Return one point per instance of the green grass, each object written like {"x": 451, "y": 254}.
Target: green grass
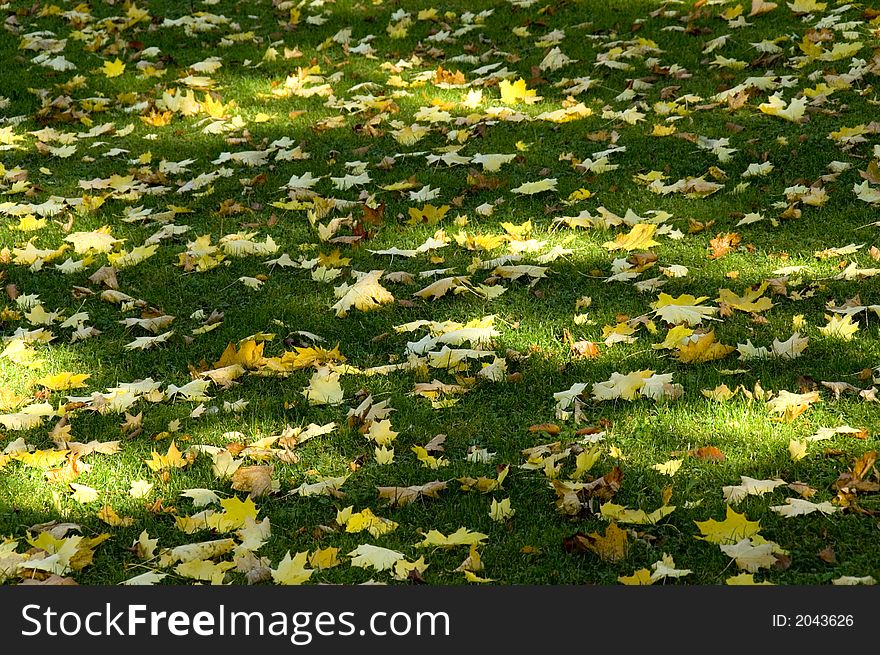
{"x": 528, "y": 548}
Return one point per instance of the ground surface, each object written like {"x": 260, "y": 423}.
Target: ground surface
{"x": 551, "y": 170}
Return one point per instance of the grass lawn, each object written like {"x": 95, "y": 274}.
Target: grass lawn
{"x": 623, "y": 254}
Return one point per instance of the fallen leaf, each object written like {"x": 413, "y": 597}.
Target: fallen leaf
{"x": 610, "y": 547}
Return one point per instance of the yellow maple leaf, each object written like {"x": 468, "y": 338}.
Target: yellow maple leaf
{"x": 249, "y": 355}
{"x": 72, "y": 467}
{"x": 797, "y": 449}
{"x": 365, "y": 520}
{"x": 39, "y": 316}
{"x": 333, "y": 259}
{"x": 427, "y": 215}
{"x": 214, "y": 107}
{"x": 665, "y": 568}
{"x": 365, "y": 294}
{"x": 669, "y": 468}
{"x": 324, "y": 388}
{"x": 531, "y": 188}
{"x": 791, "y": 405}
{"x": 734, "y": 528}
{"x": 620, "y": 333}
{"x": 325, "y": 487}
{"x": 41, "y": 458}
{"x": 473, "y": 562}
{"x": 67, "y": 554}
{"x": 157, "y": 118}
{"x": 839, "y": 327}
{"x": 312, "y": 356}
{"x": 622, "y": 386}
{"x": 478, "y": 241}
{"x": 663, "y": 130}
{"x": 140, "y": 489}
{"x": 63, "y": 380}
{"x": 381, "y": 559}
{"x": 806, "y": 6}
{"x": 111, "y": 518}
{"x": 9, "y": 399}
{"x": 200, "y": 550}
{"x": 683, "y": 309}
{"x": 703, "y": 349}
{"x": 97, "y": 241}
{"x": 30, "y": 223}
{"x": 381, "y": 432}
{"x": 751, "y": 555}
{"x": 172, "y": 459}
{"x": 429, "y": 460}
{"x": 292, "y": 570}
{"x": 205, "y": 570}
{"x": 621, "y": 514}
{"x": 674, "y": 338}
{"x": 749, "y": 487}
{"x": 441, "y": 287}
{"x": 721, "y": 393}
{"x": 461, "y": 537}
{"x": 792, "y": 111}
{"x": 224, "y": 377}
{"x": 235, "y": 515}
{"x": 745, "y": 579}
{"x": 403, "y": 569}
{"x": 638, "y": 238}
{"x": 126, "y": 259}
{"x": 407, "y": 136}
{"x": 144, "y": 547}
{"x": 514, "y": 92}
{"x": 83, "y": 494}
{"x": 751, "y": 301}
{"x": 384, "y": 455}
{"x": 502, "y": 511}
{"x": 19, "y": 351}
{"x": 610, "y": 547}
{"x": 325, "y": 558}
{"x": 113, "y": 68}
{"x": 584, "y": 461}
{"x": 638, "y": 578}
{"x": 579, "y": 194}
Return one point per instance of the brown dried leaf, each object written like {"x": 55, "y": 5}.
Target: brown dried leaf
{"x": 256, "y": 480}
{"x": 400, "y": 496}
{"x": 828, "y": 555}
{"x": 804, "y": 490}
{"x": 436, "y": 444}
{"x": 105, "y": 275}
{"x": 48, "y": 580}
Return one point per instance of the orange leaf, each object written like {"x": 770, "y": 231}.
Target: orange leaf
{"x": 586, "y": 349}
{"x": 708, "y": 453}
{"x": 723, "y": 244}
{"x": 550, "y": 428}
{"x": 69, "y": 471}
